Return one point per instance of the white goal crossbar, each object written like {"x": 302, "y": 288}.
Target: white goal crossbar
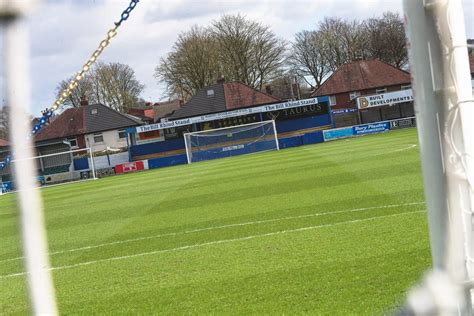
{"x": 65, "y": 161}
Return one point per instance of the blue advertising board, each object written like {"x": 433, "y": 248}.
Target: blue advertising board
{"x": 332, "y": 134}
{"x": 343, "y": 111}
{"x": 371, "y": 128}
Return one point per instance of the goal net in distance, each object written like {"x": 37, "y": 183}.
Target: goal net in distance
{"x": 231, "y": 141}
{"x": 55, "y": 168}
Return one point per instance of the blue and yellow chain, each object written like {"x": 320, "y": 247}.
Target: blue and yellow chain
{"x": 48, "y": 113}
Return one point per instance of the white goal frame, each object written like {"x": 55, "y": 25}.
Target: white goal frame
{"x": 186, "y": 136}
{"x": 87, "y": 151}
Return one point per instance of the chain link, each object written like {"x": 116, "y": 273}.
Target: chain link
{"x": 48, "y": 113}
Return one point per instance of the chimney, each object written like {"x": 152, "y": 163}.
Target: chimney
{"x": 221, "y": 80}
{"x": 84, "y": 101}
{"x": 268, "y": 89}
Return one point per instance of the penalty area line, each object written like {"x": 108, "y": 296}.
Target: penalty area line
{"x": 118, "y": 242}
{"x": 216, "y": 242}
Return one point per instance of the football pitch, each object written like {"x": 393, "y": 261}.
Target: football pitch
{"x": 333, "y": 228}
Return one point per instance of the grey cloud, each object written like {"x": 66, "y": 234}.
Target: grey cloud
{"x": 64, "y": 33}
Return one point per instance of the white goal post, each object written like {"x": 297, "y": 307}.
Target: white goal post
{"x": 231, "y": 141}
{"x": 55, "y": 168}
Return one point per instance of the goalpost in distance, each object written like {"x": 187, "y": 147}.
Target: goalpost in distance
{"x": 231, "y": 141}
{"x": 55, "y": 168}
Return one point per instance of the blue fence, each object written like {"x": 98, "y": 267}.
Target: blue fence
{"x": 288, "y": 142}
{"x": 338, "y": 133}
{"x": 302, "y": 123}
{"x": 81, "y": 164}
{"x": 233, "y": 150}
{"x": 157, "y": 147}
{"x": 367, "y": 129}
{"x": 167, "y": 161}
{"x": 370, "y": 128}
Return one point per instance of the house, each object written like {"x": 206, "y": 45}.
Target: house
{"x": 362, "y": 78}
{"x": 226, "y": 104}
{"x": 150, "y": 113}
{"x": 144, "y": 115}
{"x": 217, "y": 98}
{"x": 89, "y": 126}
{"x": 222, "y": 96}
{"x": 163, "y": 110}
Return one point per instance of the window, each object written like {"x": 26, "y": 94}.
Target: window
{"x": 122, "y": 134}
{"x": 73, "y": 142}
{"x": 98, "y": 138}
{"x": 406, "y": 87}
{"x": 381, "y": 90}
{"x": 332, "y": 100}
{"x": 354, "y": 95}
{"x": 210, "y": 93}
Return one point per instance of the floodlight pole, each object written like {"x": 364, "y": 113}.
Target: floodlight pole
{"x": 34, "y": 240}
{"x": 443, "y": 107}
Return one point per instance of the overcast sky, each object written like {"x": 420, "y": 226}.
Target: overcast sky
{"x": 65, "y": 32}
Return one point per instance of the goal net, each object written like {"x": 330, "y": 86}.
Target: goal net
{"x": 231, "y": 141}
{"x": 55, "y": 168}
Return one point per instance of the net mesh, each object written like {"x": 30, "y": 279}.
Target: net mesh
{"x": 231, "y": 141}
{"x": 54, "y": 168}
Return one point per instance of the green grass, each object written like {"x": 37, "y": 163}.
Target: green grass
{"x": 302, "y": 230}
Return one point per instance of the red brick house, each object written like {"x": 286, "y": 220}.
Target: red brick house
{"x": 359, "y": 78}
{"x": 96, "y": 126}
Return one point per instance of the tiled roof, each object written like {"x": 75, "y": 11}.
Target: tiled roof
{"x": 164, "y": 109}
{"x": 222, "y": 97}
{"x": 4, "y": 143}
{"x": 362, "y": 75}
{"x": 85, "y": 120}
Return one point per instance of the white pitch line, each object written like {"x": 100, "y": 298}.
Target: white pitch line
{"x": 220, "y": 227}
{"x": 212, "y": 243}
{"x": 403, "y": 149}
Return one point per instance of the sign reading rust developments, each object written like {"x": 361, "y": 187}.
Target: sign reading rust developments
{"x": 229, "y": 114}
{"x": 382, "y": 99}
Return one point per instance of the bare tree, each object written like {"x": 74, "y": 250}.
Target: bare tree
{"x": 193, "y": 63}
{"x": 116, "y": 86}
{"x": 84, "y": 88}
{"x": 307, "y": 58}
{"x": 113, "y": 85}
{"x": 343, "y": 41}
{"x": 249, "y": 51}
{"x": 386, "y": 39}
{"x": 233, "y": 47}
